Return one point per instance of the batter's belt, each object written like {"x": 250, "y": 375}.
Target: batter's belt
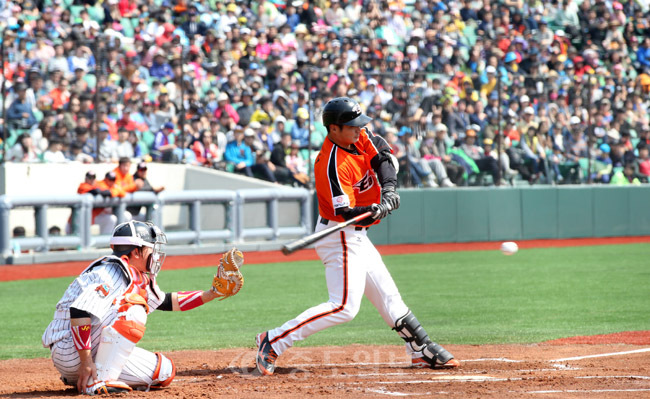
{"x": 356, "y": 228}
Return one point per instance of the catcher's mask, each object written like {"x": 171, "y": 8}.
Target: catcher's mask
{"x": 135, "y": 234}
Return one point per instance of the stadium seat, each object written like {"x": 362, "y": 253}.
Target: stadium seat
{"x": 127, "y": 27}
{"x": 148, "y": 138}
{"x": 96, "y": 14}
{"x": 91, "y": 79}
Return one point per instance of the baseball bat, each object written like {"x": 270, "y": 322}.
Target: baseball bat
{"x": 301, "y": 243}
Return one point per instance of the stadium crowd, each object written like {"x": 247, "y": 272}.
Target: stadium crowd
{"x": 552, "y": 91}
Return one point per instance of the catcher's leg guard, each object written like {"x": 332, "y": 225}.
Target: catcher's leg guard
{"x": 165, "y": 372}
{"x": 117, "y": 343}
{"x": 433, "y": 355}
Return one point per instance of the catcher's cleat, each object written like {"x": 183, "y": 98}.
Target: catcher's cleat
{"x": 422, "y": 363}
{"x": 266, "y": 356}
{"x": 107, "y": 388}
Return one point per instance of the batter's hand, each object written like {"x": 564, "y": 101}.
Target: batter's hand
{"x": 380, "y": 211}
{"x": 390, "y": 197}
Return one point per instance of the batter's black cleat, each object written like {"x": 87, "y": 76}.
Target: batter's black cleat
{"x": 419, "y": 362}
{"x": 266, "y": 356}
{"x": 436, "y": 357}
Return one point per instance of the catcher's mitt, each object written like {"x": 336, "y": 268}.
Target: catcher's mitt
{"x": 228, "y": 280}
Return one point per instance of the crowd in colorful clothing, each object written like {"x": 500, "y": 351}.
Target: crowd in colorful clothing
{"x": 464, "y": 91}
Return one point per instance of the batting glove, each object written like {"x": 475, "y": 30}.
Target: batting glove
{"x": 380, "y": 211}
{"x": 390, "y": 197}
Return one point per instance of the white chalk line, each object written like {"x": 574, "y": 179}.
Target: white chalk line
{"x": 636, "y": 377}
{"x": 394, "y": 393}
{"x": 590, "y": 391}
{"x": 567, "y": 359}
{"x": 400, "y": 364}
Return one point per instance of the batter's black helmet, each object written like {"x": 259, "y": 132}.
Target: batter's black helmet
{"x": 344, "y": 111}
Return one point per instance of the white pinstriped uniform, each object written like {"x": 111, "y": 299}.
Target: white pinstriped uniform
{"x": 112, "y": 275}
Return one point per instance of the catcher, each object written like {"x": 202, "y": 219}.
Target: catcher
{"x": 103, "y": 313}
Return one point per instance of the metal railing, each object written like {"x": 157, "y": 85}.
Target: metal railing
{"x": 235, "y": 229}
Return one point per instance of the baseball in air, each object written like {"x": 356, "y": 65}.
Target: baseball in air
{"x": 509, "y": 248}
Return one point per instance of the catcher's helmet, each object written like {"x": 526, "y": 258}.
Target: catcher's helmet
{"x": 135, "y": 234}
{"x": 344, "y": 111}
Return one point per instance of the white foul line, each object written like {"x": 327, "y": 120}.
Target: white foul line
{"x": 634, "y": 377}
{"x": 601, "y": 355}
{"x": 591, "y": 390}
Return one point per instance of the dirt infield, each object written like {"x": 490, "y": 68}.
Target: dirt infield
{"x": 487, "y": 371}
{"x": 603, "y": 366}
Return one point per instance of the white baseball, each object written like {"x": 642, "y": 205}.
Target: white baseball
{"x": 509, "y": 248}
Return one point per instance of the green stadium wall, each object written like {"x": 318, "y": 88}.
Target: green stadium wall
{"x": 498, "y": 214}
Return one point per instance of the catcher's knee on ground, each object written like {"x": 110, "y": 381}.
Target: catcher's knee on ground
{"x": 164, "y": 373}
{"x": 411, "y": 331}
{"x": 119, "y": 339}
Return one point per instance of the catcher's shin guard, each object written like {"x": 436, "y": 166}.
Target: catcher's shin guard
{"x": 117, "y": 343}
{"x": 164, "y": 373}
{"x": 432, "y": 354}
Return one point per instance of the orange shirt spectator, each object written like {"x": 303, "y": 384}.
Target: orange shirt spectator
{"x": 60, "y": 95}
{"x": 123, "y": 177}
{"x": 90, "y": 186}
{"x": 109, "y": 183}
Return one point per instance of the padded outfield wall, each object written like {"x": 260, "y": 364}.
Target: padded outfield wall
{"x": 516, "y": 213}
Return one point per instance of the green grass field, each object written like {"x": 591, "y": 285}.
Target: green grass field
{"x": 473, "y": 297}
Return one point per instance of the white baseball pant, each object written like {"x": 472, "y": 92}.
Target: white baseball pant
{"x": 353, "y": 267}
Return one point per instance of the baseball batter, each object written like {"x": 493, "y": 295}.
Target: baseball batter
{"x": 103, "y": 313}
{"x": 355, "y": 172}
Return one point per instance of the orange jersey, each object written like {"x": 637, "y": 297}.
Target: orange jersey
{"x": 116, "y": 191}
{"x": 344, "y": 179}
{"x": 86, "y": 188}
{"x": 125, "y": 181}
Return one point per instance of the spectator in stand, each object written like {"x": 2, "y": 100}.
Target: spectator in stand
{"x": 643, "y": 163}
{"x": 296, "y": 164}
{"x": 110, "y": 183}
{"x": 409, "y": 160}
{"x": 102, "y": 216}
{"x": 160, "y": 68}
{"x": 279, "y": 160}
{"x": 88, "y": 145}
{"x": 240, "y": 155}
{"x": 223, "y": 106}
{"x": 76, "y": 153}
{"x": 143, "y": 184}
{"x": 23, "y": 151}
{"x": 124, "y": 148}
{"x": 185, "y": 153}
{"x": 20, "y": 114}
{"x": 206, "y": 150}
{"x": 54, "y": 152}
{"x": 163, "y": 147}
{"x": 123, "y": 177}
{"x": 107, "y": 147}
{"x": 484, "y": 163}
{"x": 299, "y": 130}
{"x": 435, "y": 148}
{"x": 246, "y": 109}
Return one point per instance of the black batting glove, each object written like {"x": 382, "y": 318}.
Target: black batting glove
{"x": 380, "y": 211}
{"x": 390, "y": 197}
